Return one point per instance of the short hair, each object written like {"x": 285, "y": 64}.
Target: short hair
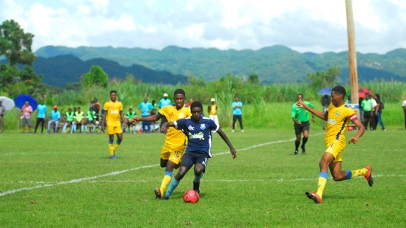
{"x": 113, "y": 91}
{"x": 179, "y": 91}
{"x": 340, "y": 90}
{"x": 196, "y": 104}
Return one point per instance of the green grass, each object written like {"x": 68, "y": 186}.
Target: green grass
{"x": 68, "y": 181}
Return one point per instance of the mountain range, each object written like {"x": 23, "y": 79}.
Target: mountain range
{"x": 171, "y": 65}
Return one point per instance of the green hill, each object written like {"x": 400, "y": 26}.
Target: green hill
{"x": 272, "y": 64}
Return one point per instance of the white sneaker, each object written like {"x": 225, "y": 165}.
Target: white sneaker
{"x": 232, "y": 130}
{"x": 242, "y": 130}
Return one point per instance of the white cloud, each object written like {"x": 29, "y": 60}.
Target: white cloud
{"x": 316, "y": 25}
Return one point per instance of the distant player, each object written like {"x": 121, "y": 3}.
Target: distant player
{"x": 301, "y": 124}
{"x": 198, "y": 129}
{"x": 112, "y": 111}
{"x": 175, "y": 141}
{"x": 338, "y": 117}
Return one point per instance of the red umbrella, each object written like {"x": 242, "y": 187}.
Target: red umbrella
{"x": 363, "y": 92}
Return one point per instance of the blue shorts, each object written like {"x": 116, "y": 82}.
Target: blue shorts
{"x": 192, "y": 158}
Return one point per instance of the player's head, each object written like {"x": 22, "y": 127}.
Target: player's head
{"x": 337, "y": 95}
{"x": 300, "y": 97}
{"x": 179, "y": 97}
{"x": 113, "y": 95}
{"x": 196, "y": 108}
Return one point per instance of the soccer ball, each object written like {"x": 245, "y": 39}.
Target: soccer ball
{"x": 191, "y": 196}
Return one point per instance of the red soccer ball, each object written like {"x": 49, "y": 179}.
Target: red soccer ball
{"x": 191, "y": 196}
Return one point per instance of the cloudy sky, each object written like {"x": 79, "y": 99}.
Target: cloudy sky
{"x": 312, "y": 25}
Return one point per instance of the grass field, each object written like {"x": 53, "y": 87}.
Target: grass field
{"x": 68, "y": 181}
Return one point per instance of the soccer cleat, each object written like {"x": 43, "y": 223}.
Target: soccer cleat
{"x": 196, "y": 187}
{"x": 113, "y": 157}
{"x": 295, "y": 153}
{"x": 303, "y": 150}
{"x": 313, "y": 196}
{"x": 158, "y": 193}
{"x": 165, "y": 198}
{"x": 369, "y": 177}
{"x": 232, "y": 130}
{"x": 242, "y": 130}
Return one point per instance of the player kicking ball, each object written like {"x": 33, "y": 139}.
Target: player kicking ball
{"x": 338, "y": 117}
{"x": 198, "y": 129}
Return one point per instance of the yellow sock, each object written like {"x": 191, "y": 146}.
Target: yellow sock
{"x": 111, "y": 149}
{"x": 322, "y": 183}
{"x": 165, "y": 182}
{"x": 115, "y": 146}
{"x": 359, "y": 172}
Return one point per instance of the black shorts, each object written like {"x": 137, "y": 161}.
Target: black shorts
{"x": 300, "y": 128}
{"x": 191, "y": 158}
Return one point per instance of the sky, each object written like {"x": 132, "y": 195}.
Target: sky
{"x": 306, "y": 26}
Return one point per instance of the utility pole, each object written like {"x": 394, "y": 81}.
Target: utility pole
{"x": 352, "y": 54}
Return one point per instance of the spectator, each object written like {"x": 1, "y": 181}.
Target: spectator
{"x": 2, "y": 113}
{"x": 374, "y": 118}
{"x": 69, "y": 118}
{"x": 366, "y": 105}
{"x": 237, "y": 113}
{"x": 96, "y": 108}
{"x": 378, "y": 110}
{"x": 26, "y": 117}
{"x": 212, "y": 110}
{"x": 190, "y": 103}
{"x": 55, "y": 116}
{"x": 41, "y": 114}
{"x": 325, "y": 102}
{"x": 90, "y": 120}
{"x": 164, "y": 101}
{"x": 79, "y": 120}
{"x": 145, "y": 108}
{"x": 128, "y": 117}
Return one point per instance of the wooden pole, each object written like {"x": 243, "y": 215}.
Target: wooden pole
{"x": 352, "y": 54}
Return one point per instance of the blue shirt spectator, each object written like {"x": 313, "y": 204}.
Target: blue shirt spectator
{"x": 42, "y": 110}
{"x": 55, "y": 114}
{"x": 145, "y": 107}
{"x": 237, "y": 111}
{"x": 164, "y": 101}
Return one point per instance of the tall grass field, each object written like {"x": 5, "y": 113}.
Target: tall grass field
{"x": 67, "y": 180}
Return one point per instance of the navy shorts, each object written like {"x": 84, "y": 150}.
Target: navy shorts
{"x": 192, "y": 158}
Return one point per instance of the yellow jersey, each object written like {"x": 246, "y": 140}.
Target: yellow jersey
{"x": 174, "y": 136}
{"x": 112, "y": 111}
{"x": 337, "y": 123}
{"x": 213, "y": 109}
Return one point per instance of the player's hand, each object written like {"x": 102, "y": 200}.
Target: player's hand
{"x": 164, "y": 128}
{"x": 233, "y": 153}
{"x": 353, "y": 140}
{"x": 313, "y": 119}
{"x": 301, "y": 104}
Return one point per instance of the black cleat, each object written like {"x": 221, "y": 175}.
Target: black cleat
{"x": 369, "y": 177}
{"x": 158, "y": 193}
{"x": 165, "y": 198}
{"x": 196, "y": 187}
{"x": 313, "y": 196}
{"x": 295, "y": 153}
{"x": 303, "y": 150}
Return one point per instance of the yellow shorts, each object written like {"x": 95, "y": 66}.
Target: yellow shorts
{"x": 335, "y": 148}
{"x": 173, "y": 153}
{"x": 111, "y": 130}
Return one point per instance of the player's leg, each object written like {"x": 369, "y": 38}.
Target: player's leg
{"x": 110, "y": 132}
{"x": 298, "y": 133}
{"x": 171, "y": 158}
{"x": 119, "y": 133}
{"x": 306, "y": 129}
{"x": 200, "y": 167}
{"x": 186, "y": 164}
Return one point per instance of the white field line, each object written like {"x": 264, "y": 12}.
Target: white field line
{"x": 123, "y": 171}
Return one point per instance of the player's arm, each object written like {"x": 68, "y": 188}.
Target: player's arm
{"x": 103, "y": 123}
{"x": 321, "y": 115}
{"x": 166, "y": 125}
{"x": 225, "y": 138}
{"x": 147, "y": 118}
{"x": 360, "y": 132}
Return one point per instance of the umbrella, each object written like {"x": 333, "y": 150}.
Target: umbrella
{"x": 7, "y": 103}
{"x": 363, "y": 92}
{"x": 325, "y": 91}
{"x": 21, "y": 99}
